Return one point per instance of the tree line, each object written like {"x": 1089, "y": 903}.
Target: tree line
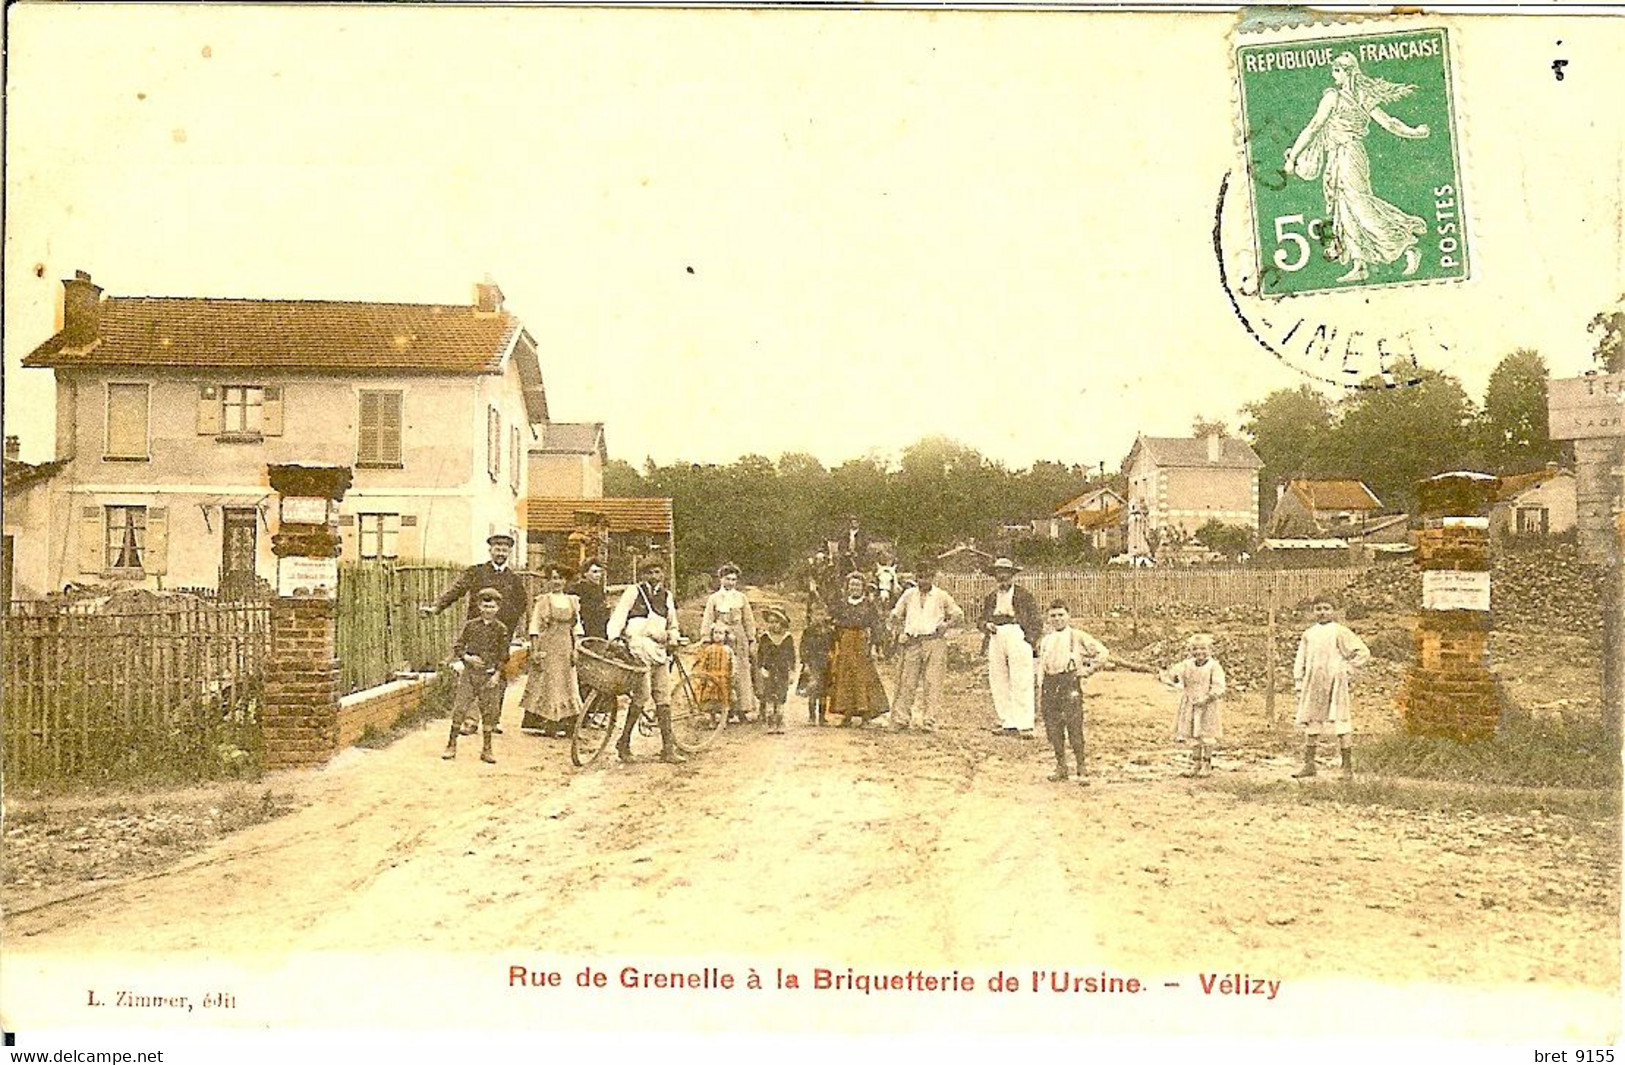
{"x": 767, "y": 515}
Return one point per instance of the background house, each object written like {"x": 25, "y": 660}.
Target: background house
{"x": 1094, "y": 501}
{"x": 1306, "y": 507}
{"x": 23, "y": 575}
{"x": 568, "y": 459}
{"x": 1176, "y": 485}
{"x": 1542, "y": 503}
{"x": 170, "y": 409}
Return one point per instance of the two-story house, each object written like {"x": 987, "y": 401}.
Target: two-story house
{"x": 1176, "y": 485}
{"x": 169, "y": 410}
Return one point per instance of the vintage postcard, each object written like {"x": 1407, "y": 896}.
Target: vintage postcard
{"x": 1092, "y": 526}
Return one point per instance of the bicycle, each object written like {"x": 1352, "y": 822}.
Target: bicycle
{"x": 607, "y": 677}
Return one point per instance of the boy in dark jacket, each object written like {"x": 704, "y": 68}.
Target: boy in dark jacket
{"x": 477, "y": 658}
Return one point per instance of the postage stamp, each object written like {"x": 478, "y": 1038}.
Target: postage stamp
{"x": 1352, "y": 162}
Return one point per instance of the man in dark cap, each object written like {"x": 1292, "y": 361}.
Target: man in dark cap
{"x": 497, "y": 575}
{"x": 493, "y": 574}
{"x": 589, "y": 588}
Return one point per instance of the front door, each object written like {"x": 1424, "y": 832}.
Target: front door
{"x": 237, "y": 547}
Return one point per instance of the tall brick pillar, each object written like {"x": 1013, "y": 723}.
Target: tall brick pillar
{"x": 302, "y": 687}
{"x": 1450, "y": 691}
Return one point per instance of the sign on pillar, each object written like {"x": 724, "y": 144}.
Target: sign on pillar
{"x": 302, "y": 683}
{"x": 1450, "y": 691}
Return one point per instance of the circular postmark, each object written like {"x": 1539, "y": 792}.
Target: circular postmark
{"x": 1335, "y": 340}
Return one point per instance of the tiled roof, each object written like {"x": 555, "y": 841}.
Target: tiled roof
{"x": 572, "y": 438}
{"x": 555, "y": 514}
{"x": 1517, "y": 483}
{"x": 1100, "y": 519}
{"x": 1086, "y": 501}
{"x": 1334, "y": 495}
{"x": 1192, "y": 452}
{"x": 20, "y": 475}
{"x": 317, "y": 335}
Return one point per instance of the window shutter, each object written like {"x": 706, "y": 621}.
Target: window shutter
{"x": 410, "y": 544}
{"x": 271, "y": 411}
{"x": 126, "y": 421}
{"x": 155, "y": 560}
{"x": 367, "y": 432}
{"x": 208, "y": 410}
{"x": 92, "y": 540}
{"x": 389, "y": 423}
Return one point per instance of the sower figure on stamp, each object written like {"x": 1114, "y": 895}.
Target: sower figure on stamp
{"x": 477, "y": 658}
{"x": 922, "y": 616}
{"x": 1012, "y": 625}
{"x": 1200, "y": 680}
{"x": 1367, "y": 228}
{"x": 1066, "y": 658}
{"x": 1329, "y": 654}
{"x": 495, "y": 574}
{"x": 645, "y": 617}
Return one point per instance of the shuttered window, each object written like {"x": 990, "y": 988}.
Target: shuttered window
{"x": 243, "y": 409}
{"x": 126, "y": 537}
{"x": 379, "y": 436}
{"x": 127, "y": 421}
{"x": 514, "y": 459}
{"x": 493, "y": 443}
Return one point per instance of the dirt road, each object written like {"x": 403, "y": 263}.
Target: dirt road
{"x": 868, "y": 847}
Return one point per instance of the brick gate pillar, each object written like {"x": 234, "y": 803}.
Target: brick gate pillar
{"x": 1450, "y": 691}
{"x": 302, "y": 688}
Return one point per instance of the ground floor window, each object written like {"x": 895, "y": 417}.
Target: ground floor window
{"x": 1534, "y": 520}
{"x": 380, "y": 535}
{"x": 126, "y": 537}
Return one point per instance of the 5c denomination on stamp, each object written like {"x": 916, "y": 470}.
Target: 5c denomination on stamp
{"x": 1352, "y": 160}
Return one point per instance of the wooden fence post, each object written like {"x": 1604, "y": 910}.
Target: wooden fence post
{"x": 1269, "y": 656}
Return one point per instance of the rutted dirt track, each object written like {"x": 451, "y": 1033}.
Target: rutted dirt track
{"x": 868, "y": 847}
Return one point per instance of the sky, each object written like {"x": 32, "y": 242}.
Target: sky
{"x": 764, "y": 231}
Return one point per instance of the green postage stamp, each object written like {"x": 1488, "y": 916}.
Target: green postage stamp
{"x": 1352, "y": 162}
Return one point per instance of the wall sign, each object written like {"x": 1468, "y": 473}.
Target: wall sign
{"x": 1452, "y": 589}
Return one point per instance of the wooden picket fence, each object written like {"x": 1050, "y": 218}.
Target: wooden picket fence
{"x": 174, "y": 691}
{"x": 1133, "y": 592}
{"x": 381, "y": 633}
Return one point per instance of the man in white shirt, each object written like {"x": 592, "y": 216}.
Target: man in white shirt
{"x": 921, "y": 617}
{"x": 1013, "y": 626}
{"x": 645, "y": 619}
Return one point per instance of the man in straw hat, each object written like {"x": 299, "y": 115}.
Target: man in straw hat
{"x": 1012, "y": 627}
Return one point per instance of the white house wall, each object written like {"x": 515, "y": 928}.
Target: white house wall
{"x": 442, "y": 481}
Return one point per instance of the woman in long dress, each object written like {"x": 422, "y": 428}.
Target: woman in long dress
{"x": 551, "y": 694}
{"x": 728, "y": 606}
{"x": 854, "y": 690}
{"x": 1367, "y": 229}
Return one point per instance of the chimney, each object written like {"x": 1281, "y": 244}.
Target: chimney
{"x": 14, "y": 449}
{"x": 1215, "y": 444}
{"x": 1280, "y": 490}
{"x": 487, "y": 296}
{"x": 81, "y": 310}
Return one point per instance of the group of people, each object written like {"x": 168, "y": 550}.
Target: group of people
{"x": 1038, "y": 661}
{"x": 501, "y": 618}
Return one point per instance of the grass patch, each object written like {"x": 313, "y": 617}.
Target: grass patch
{"x": 1525, "y": 753}
{"x": 1426, "y": 796}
